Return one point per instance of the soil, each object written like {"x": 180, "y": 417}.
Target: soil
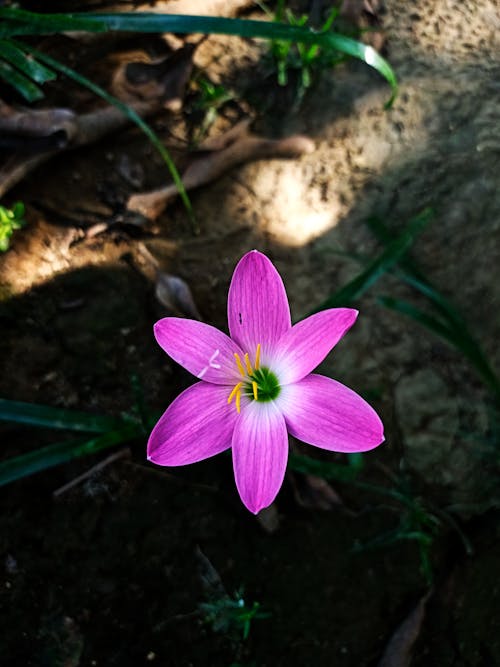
{"x": 109, "y": 572}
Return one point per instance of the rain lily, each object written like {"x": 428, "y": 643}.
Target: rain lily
{"x": 257, "y": 385}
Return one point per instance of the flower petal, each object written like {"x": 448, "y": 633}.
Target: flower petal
{"x": 260, "y": 453}
{"x": 203, "y": 350}
{"x": 197, "y": 425}
{"x": 325, "y": 413}
{"x": 257, "y": 306}
{"x": 308, "y": 342}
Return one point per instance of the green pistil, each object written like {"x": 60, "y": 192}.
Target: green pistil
{"x": 268, "y": 386}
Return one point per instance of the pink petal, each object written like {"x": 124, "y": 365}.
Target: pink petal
{"x": 325, "y": 413}
{"x": 260, "y": 453}
{"x": 203, "y": 350}
{"x": 197, "y": 425}
{"x": 257, "y": 306}
{"x": 307, "y": 343}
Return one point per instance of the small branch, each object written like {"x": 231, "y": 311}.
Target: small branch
{"x": 123, "y": 453}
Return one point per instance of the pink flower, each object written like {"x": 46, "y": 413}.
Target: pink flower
{"x": 257, "y": 384}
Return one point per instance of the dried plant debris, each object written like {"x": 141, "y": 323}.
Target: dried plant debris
{"x": 313, "y": 492}
{"x": 238, "y": 147}
{"x": 269, "y": 519}
{"x": 398, "y": 651}
{"x": 165, "y": 79}
{"x": 38, "y": 135}
{"x": 174, "y": 294}
{"x": 35, "y": 131}
{"x": 365, "y": 15}
{"x": 171, "y": 291}
{"x": 85, "y": 129}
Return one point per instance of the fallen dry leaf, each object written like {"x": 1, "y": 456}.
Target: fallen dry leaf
{"x": 314, "y": 492}
{"x": 171, "y": 291}
{"x": 148, "y": 88}
{"x": 174, "y": 294}
{"x": 164, "y": 79}
{"x": 398, "y": 651}
{"x": 269, "y": 519}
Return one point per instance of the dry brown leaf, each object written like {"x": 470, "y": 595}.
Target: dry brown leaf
{"x": 269, "y": 519}
{"x": 314, "y": 492}
{"x": 174, "y": 294}
{"x": 398, "y": 651}
{"x": 164, "y": 79}
{"x": 156, "y": 88}
{"x": 238, "y": 147}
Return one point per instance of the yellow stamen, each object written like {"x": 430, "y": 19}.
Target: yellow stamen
{"x": 239, "y": 364}
{"x": 254, "y": 387}
{"x": 248, "y": 364}
{"x": 235, "y": 391}
{"x": 238, "y": 399}
{"x": 257, "y": 358}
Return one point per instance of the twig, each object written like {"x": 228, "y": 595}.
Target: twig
{"x": 123, "y": 453}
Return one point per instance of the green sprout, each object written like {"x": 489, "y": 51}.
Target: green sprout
{"x": 10, "y": 219}
{"x": 416, "y": 524}
{"x": 211, "y": 98}
{"x": 307, "y": 59}
{"x": 231, "y": 616}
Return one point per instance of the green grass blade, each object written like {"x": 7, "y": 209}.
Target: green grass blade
{"x": 451, "y": 325}
{"x": 21, "y": 22}
{"x": 246, "y": 28}
{"x": 29, "y": 23}
{"x": 57, "y": 418}
{"x": 24, "y": 86}
{"x": 391, "y": 255}
{"x": 426, "y": 320}
{"x": 126, "y": 110}
{"x": 412, "y": 275}
{"x": 27, "y": 65}
{"x": 62, "y": 452}
{"x": 467, "y": 346}
{"x": 309, "y": 466}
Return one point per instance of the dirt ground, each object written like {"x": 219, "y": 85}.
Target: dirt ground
{"x": 108, "y": 573}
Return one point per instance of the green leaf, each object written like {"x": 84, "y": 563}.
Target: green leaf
{"x": 57, "y": 418}
{"x": 29, "y": 23}
{"x": 24, "y": 86}
{"x": 419, "y": 316}
{"x": 26, "y": 64}
{"x": 245, "y": 28}
{"x": 309, "y": 466}
{"x": 15, "y": 21}
{"x": 391, "y": 255}
{"x": 62, "y": 452}
{"x": 457, "y": 337}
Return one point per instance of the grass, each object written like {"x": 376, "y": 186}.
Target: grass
{"x": 10, "y": 220}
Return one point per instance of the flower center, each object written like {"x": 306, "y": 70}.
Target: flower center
{"x": 258, "y": 382}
